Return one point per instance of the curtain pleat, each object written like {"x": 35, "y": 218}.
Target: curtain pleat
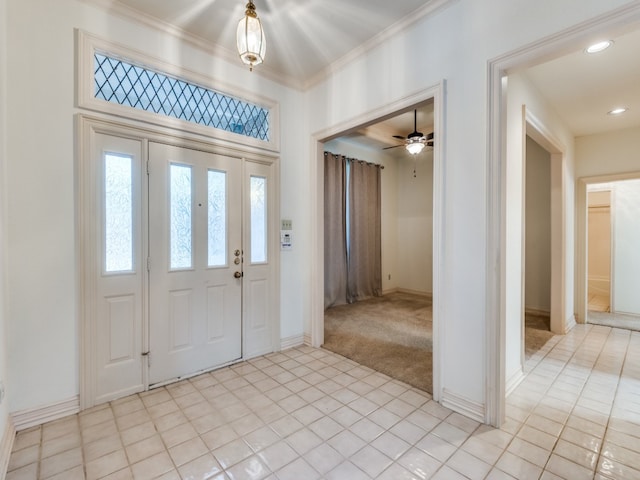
{"x": 364, "y": 277}
{"x": 335, "y": 244}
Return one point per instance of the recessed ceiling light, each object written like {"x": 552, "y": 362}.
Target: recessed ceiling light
{"x": 617, "y": 111}
{"x": 599, "y": 47}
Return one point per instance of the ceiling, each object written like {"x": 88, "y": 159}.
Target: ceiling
{"x": 306, "y": 39}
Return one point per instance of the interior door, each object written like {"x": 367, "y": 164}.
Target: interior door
{"x": 195, "y": 261}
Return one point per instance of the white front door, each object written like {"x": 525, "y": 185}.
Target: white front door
{"x": 195, "y": 261}
{"x": 179, "y": 266}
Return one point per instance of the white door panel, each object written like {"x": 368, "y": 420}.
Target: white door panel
{"x": 118, "y": 339}
{"x": 260, "y": 250}
{"x": 195, "y": 232}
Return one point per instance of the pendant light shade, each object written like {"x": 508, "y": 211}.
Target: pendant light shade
{"x": 250, "y": 38}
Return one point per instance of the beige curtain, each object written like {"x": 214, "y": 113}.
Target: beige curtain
{"x": 335, "y": 243}
{"x": 364, "y": 251}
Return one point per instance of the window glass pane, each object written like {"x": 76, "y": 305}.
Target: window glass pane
{"x": 217, "y": 213}
{"x": 258, "y": 219}
{"x": 180, "y": 217}
{"x": 118, "y": 205}
{"x": 124, "y": 83}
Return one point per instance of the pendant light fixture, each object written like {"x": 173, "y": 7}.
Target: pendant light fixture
{"x": 250, "y": 37}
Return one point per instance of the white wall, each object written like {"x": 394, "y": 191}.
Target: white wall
{"x": 454, "y": 45}
{"x": 42, "y": 268}
{"x": 608, "y": 153}
{"x": 389, "y": 196}
{"x": 4, "y": 410}
{"x": 415, "y": 222}
{"x": 537, "y": 269}
{"x": 626, "y": 240}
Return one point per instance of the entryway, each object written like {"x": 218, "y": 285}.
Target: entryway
{"x": 181, "y": 256}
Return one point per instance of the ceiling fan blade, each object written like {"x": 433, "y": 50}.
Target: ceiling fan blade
{"x": 395, "y": 146}
{"x": 399, "y": 137}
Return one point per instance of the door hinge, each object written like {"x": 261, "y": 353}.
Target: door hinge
{"x": 148, "y": 264}
{"x": 148, "y": 357}
{"x": 148, "y": 167}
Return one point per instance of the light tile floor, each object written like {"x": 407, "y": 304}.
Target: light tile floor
{"x": 308, "y": 413}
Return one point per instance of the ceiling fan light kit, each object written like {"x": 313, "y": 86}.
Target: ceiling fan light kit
{"x": 415, "y": 145}
{"x": 250, "y": 38}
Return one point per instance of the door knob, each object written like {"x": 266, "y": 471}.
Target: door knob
{"x": 237, "y": 274}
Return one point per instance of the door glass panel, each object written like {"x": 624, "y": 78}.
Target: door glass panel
{"x": 181, "y": 217}
{"x": 258, "y": 219}
{"x": 118, "y": 215}
{"x": 217, "y": 218}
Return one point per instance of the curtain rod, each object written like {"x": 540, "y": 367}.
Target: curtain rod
{"x": 355, "y": 160}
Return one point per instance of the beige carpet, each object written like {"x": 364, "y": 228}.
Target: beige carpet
{"x": 390, "y": 334}
{"x": 393, "y": 335}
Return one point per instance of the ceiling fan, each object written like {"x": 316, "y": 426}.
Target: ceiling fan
{"x": 415, "y": 141}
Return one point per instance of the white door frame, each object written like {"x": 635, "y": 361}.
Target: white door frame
{"x": 315, "y": 334}
{"x": 553, "y": 46}
{"x": 87, "y": 126}
{"x": 582, "y": 251}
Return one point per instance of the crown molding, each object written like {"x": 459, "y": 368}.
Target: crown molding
{"x": 124, "y": 11}
{"x": 430, "y": 8}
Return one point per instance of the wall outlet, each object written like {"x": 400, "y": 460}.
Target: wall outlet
{"x": 286, "y": 225}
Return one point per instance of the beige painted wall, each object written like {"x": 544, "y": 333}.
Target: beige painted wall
{"x": 599, "y": 243}
{"x": 537, "y": 283}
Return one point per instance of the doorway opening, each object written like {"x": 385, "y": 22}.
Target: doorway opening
{"x": 389, "y": 330}
{"x": 434, "y": 96}
{"x": 612, "y": 257}
{"x": 537, "y": 248}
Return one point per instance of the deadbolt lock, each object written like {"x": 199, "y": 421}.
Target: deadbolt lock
{"x": 236, "y": 261}
{"x": 237, "y": 253}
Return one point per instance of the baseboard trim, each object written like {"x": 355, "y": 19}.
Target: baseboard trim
{"x": 290, "y": 342}
{"x": 537, "y": 311}
{"x": 6, "y": 445}
{"x": 513, "y": 381}
{"x": 464, "y": 406}
{"x": 419, "y": 293}
{"x": 570, "y": 323}
{"x": 37, "y": 416}
{"x": 306, "y": 339}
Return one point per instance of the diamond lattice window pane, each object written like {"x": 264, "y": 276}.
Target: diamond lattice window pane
{"x": 117, "y": 81}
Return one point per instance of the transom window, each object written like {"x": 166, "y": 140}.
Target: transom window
{"x": 124, "y": 83}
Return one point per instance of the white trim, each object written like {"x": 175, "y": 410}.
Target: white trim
{"x": 457, "y": 403}
{"x": 6, "y": 445}
{"x": 291, "y": 342}
{"x": 307, "y": 339}
{"x": 437, "y": 93}
{"x": 513, "y": 381}
{"x": 37, "y": 416}
{"x": 87, "y": 44}
{"x": 549, "y": 47}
